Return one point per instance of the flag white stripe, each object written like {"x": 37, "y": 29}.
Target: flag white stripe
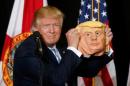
{"x": 112, "y": 72}
{"x": 128, "y": 80}
{"x": 2, "y": 83}
{"x": 45, "y": 3}
{"x": 80, "y": 81}
{"x": 15, "y": 23}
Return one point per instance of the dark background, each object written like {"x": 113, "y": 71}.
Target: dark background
{"x": 119, "y": 17}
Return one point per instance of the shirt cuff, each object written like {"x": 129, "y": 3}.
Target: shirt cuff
{"x": 110, "y": 52}
{"x": 77, "y": 52}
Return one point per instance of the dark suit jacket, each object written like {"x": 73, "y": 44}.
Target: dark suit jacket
{"x": 32, "y": 69}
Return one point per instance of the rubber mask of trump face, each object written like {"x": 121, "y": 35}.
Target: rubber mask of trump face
{"x": 93, "y": 39}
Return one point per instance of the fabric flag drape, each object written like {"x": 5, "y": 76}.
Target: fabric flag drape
{"x": 95, "y": 10}
{"x": 128, "y": 80}
{"x": 20, "y": 22}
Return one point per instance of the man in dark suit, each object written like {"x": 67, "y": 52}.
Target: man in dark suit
{"x": 39, "y": 62}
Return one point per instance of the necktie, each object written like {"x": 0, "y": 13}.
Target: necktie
{"x": 56, "y": 53}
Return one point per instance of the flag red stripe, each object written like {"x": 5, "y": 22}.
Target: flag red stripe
{"x": 7, "y": 44}
{"x": 107, "y": 81}
{"x": 30, "y": 6}
{"x": 87, "y": 81}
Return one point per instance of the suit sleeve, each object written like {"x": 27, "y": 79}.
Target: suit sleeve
{"x": 89, "y": 67}
{"x": 26, "y": 65}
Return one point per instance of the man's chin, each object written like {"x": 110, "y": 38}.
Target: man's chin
{"x": 98, "y": 52}
{"x": 50, "y": 44}
{"x": 95, "y": 49}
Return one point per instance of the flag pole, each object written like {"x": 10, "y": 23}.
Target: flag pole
{"x": 98, "y": 10}
{"x": 92, "y": 8}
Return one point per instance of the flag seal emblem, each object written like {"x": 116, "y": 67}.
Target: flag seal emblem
{"x": 7, "y": 65}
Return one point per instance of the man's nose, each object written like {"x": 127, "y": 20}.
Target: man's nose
{"x": 93, "y": 37}
{"x": 52, "y": 28}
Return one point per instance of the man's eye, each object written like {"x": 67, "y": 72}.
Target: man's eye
{"x": 98, "y": 33}
{"x": 56, "y": 24}
{"x": 45, "y": 26}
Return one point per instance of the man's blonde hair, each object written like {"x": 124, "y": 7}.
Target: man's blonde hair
{"x": 47, "y": 12}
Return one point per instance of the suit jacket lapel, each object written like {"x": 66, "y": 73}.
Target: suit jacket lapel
{"x": 51, "y": 56}
{"x": 61, "y": 51}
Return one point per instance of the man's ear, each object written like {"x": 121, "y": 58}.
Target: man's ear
{"x": 34, "y": 28}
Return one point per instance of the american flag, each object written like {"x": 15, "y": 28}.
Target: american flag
{"x": 96, "y": 10}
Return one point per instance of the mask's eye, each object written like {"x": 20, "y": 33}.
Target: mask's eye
{"x": 98, "y": 33}
{"x": 88, "y": 34}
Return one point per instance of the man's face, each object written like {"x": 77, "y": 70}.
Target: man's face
{"x": 50, "y": 29}
{"x": 94, "y": 38}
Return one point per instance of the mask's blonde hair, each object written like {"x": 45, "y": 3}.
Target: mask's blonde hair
{"x": 91, "y": 24}
{"x": 47, "y": 12}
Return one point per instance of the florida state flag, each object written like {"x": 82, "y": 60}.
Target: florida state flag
{"x": 20, "y": 22}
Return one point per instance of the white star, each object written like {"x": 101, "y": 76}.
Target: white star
{"x": 104, "y": 4}
{"x": 82, "y": 2}
{"x": 78, "y": 21}
{"x": 80, "y": 12}
{"x": 86, "y": 16}
{"x": 89, "y": 6}
{"x": 94, "y": 19}
{"x": 104, "y": 13}
{"x": 95, "y": 10}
